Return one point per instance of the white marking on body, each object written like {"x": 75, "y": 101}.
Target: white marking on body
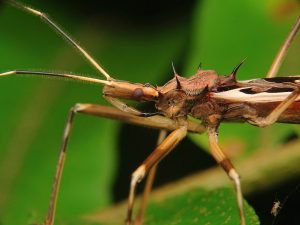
{"x": 237, "y": 95}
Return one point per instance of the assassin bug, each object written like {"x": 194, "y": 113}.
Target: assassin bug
{"x": 207, "y": 96}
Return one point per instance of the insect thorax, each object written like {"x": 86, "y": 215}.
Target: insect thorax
{"x": 190, "y": 96}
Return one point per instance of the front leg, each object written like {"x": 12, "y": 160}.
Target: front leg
{"x": 149, "y": 183}
{"x": 157, "y": 122}
{"x": 158, "y": 154}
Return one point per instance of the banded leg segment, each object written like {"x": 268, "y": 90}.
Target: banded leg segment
{"x": 149, "y": 184}
{"x": 226, "y": 164}
{"x": 159, "y": 153}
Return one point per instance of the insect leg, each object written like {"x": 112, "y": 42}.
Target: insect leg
{"x": 129, "y": 109}
{"x": 158, "y": 122}
{"x": 283, "y": 50}
{"x": 160, "y": 151}
{"x": 226, "y": 164}
{"x": 149, "y": 183}
{"x": 59, "y": 168}
{"x": 150, "y": 178}
{"x": 275, "y": 114}
{"x": 55, "y": 27}
{"x": 122, "y": 106}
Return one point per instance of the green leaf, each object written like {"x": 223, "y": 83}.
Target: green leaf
{"x": 200, "y": 206}
{"x": 196, "y": 206}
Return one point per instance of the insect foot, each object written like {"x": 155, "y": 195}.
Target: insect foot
{"x": 137, "y": 176}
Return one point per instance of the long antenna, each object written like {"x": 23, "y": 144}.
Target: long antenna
{"x": 283, "y": 50}
{"x": 55, "y": 27}
{"x": 57, "y": 75}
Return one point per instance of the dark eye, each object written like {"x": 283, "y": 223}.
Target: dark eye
{"x": 138, "y": 93}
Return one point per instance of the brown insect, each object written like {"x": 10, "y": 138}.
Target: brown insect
{"x": 207, "y": 96}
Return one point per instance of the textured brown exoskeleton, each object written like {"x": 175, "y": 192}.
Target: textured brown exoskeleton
{"x": 207, "y": 96}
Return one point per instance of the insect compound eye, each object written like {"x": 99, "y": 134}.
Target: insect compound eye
{"x": 138, "y": 93}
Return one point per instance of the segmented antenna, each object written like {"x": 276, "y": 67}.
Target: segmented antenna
{"x": 55, "y": 27}
{"x": 57, "y": 75}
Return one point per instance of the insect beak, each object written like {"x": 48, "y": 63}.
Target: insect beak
{"x": 126, "y": 90}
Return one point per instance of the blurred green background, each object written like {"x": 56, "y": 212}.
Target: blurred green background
{"x": 134, "y": 41}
